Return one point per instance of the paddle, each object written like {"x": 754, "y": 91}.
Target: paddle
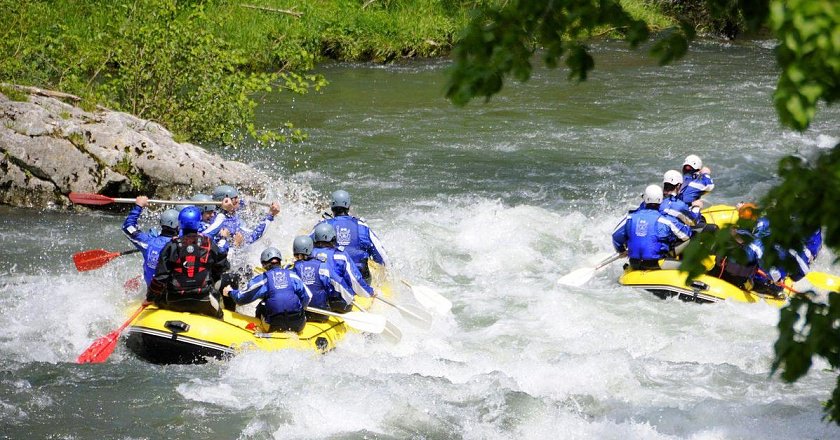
{"x": 364, "y": 322}
{"x": 99, "y": 199}
{"x": 96, "y": 258}
{"x": 413, "y": 314}
{"x": 392, "y": 333}
{"x": 101, "y": 348}
{"x": 580, "y": 276}
{"x": 429, "y": 298}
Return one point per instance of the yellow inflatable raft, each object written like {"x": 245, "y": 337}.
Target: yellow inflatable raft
{"x": 166, "y": 337}
{"x": 707, "y": 288}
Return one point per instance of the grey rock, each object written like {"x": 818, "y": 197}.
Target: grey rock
{"x": 49, "y": 148}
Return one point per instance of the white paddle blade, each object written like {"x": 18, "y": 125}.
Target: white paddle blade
{"x": 578, "y": 277}
{"x": 416, "y": 315}
{"x": 365, "y": 322}
{"x": 430, "y": 299}
{"x": 392, "y": 333}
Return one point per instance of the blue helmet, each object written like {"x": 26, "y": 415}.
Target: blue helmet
{"x": 762, "y": 228}
{"x": 324, "y": 232}
{"x": 190, "y": 218}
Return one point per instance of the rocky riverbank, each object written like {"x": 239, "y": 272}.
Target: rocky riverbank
{"x": 50, "y": 147}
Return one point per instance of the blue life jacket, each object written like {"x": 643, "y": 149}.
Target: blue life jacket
{"x": 644, "y": 233}
{"x": 150, "y": 245}
{"x": 678, "y": 209}
{"x": 357, "y": 240}
{"x": 285, "y": 292}
{"x": 812, "y": 246}
{"x": 346, "y": 271}
{"x": 310, "y": 274}
{"x": 695, "y": 185}
{"x": 151, "y": 255}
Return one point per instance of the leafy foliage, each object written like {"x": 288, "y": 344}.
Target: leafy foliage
{"x": 502, "y": 39}
{"x": 199, "y": 66}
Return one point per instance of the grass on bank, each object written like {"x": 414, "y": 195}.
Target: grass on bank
{"x": 195, "y": 66}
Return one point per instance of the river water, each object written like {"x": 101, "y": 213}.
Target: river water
{"x": 489, "y": 205}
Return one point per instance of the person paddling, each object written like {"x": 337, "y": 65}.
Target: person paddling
{"x": 322, "y": 280}
{"x": 354, "y": 236}
{"x": 284, "y": 296}
{"x": 646, "y": 234}
{"x": 697, "y": 179}
{"x": 326, "y": 251}
{"x": 187, "y": 270}
{"x": 227, "y": 218}
{"x": 150, "y": 245}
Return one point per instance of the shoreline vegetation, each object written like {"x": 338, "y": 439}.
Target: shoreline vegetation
{"x": 197, "y": 66}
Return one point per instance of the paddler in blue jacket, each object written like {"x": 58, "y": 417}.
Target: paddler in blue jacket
{"x": 354, "y": 236}
{"x": 284, "y": 296}
{"x": 326, "y": 251}
{"x": 673, "y": 206}
{"x": 646, "y": 234}
{"x": 697, "y": 179}
{"x": 228, "y": 219}
{"x": 322, "y": 280}
{"x": 150, "y": 245}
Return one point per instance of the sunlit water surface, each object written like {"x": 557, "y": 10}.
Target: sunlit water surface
{"x": 489, "y": 204}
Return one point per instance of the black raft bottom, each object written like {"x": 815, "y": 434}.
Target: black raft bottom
{"x": 166, "y": 350}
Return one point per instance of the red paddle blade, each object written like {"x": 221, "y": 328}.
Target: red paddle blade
{"x": 94, "y": 259}
{"x": 100, "y": 350}
{"x": 90, "y": 199}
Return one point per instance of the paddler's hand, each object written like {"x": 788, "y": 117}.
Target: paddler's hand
{"x": 238, "y": 239}
{"x": 705, "y": 170}
{"x": 142, "y": 201}
{"x": 698, "y": 203}
{"x": 226, "y": 291}
{"x": 274, "y": 209}
{"x": 225, "y": 233}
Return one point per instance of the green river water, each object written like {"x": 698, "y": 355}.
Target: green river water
{"x": 489, "y": 204}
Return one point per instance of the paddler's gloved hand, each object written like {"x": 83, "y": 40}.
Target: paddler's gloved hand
{"x": 229, "y": 279}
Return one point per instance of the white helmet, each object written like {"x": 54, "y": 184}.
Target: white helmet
{"x": 693, "y": 161}
{"x": 673, "y": 177}
{"x": 653, "y": 194}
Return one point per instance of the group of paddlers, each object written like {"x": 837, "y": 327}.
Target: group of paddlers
{"x": 186, "y": 265}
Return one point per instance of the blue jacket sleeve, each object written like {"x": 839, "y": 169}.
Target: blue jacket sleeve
{"x": 371, "y": 243}
{"x": 257, "y": 288}
{"x": 258, "y": 232}
{"x": 215, "y": 225}
{"x": 302, "y": 292}
{"x": 352, "y": 276}
{"x": 619, "y": 236}
{"x": 138, "y": 238}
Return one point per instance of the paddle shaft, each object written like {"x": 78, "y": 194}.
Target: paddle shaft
{"x": 609, "y": 260}
{"x": 168, "y": 202}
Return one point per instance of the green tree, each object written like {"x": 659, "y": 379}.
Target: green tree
{"x": 501, "y": 40}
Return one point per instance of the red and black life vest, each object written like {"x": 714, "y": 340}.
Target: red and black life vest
{"x": 191, "y": 271}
